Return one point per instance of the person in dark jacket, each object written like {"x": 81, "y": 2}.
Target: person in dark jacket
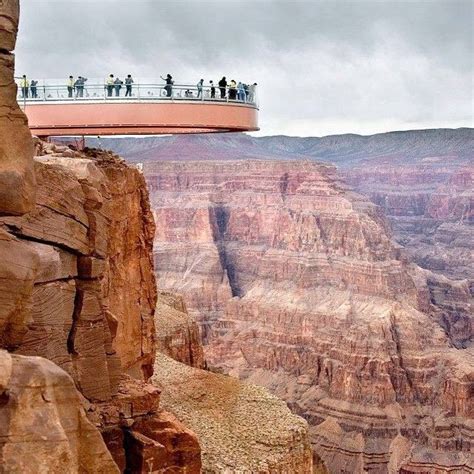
{"x": 232, "y": 90}
{"x": 79, "y": 85}
{"x": 222, "y": 87}
{"x": 117, "y": 85}
{"x": 128, "y": 86}
{"x": 169, "y": 84}
{"x": 33, "y": 90}
{"x": 246, "y": 90}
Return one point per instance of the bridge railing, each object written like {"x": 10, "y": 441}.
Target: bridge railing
{"x": 99, "y": 91}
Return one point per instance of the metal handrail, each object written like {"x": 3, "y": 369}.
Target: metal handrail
{"x": 137, "y": 91}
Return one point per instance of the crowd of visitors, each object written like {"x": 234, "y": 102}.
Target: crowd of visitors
{"x": 113, "y": 85}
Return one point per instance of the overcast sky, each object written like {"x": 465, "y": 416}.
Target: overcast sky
{"x": 323, "y": 67}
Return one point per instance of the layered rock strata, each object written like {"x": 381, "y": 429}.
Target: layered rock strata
{"x": 241, "y": 427}
{"x": 78, "y": 288}
{"x": 298, "y": 287}
{"x": 89, "y": 243}
{"x": 430, "y": 208}
{"x": 43, "y": 426}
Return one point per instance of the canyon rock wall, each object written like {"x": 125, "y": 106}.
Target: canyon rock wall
{"x": 78, "y": 289}
{"x": 430, "y": 206}
{"x": 82, "y": 319}
{"x": 298, "y": 287}
{"x": 17, "y": 180}
{"x": 43, "y": 425}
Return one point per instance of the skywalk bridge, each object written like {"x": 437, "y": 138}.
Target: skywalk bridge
{"x": 150, "y": 109}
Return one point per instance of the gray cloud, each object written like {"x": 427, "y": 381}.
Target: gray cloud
{"x": 323, "y": 66}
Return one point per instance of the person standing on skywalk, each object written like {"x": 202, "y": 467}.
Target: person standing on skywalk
{"x": 128, "y": 86}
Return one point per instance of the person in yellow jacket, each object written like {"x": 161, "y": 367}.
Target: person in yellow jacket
{"x": 110, "y": 85}
{"x": 24, "y": 84}
{"x": 70, "y": 86}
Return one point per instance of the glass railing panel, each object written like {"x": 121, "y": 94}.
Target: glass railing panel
{"x": 53, "y": 90}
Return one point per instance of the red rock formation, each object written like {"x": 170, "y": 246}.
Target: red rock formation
{"x": 80, "y": 291}
{"x": 17, "y": 181}
{"x": 177, "y": 333}
{"x": 141, "y": 436}
{"x": 43, "y": 427}
{"x": 430, "y": 207}
{"x": 325, "y": 311}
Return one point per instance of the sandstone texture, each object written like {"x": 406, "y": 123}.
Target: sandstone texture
{"x": 17, "y": 180}
{"x": 177, "y": 333}
{"x": 241, "y": 427}
{"x": 77, "y": 287}
{"x": 298, "y": 286}
{"x": 89, "y": 242}
{"x": 43, "y": 426}
{"x": 430, "y": 206}
{"x": 141, "y": 436}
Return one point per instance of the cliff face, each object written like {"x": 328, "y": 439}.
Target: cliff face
{"x": 43, "y": 426}
{"x": 82, "y": 319}
{"x": 81, "y": 292}
{"x": 298, "y": 287}
{"x": 421, "y": 178}
{"x": 17, "y": 180}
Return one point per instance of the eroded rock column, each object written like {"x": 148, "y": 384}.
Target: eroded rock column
{"x": 17, "y": 180}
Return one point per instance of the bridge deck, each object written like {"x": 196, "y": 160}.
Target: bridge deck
{"x": 60, "y": 115}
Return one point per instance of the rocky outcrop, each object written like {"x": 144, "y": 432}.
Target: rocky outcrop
{"x": 298, "y": 287}
{"x": 241, "y": 427}
{"x": 80, "y": 291}
{"x": 17, "y": 180}
{"x": 177, "y": 333}
{"x": 82, "y": 319}
{"x": 43, "y": 427}
{"x": 141, "y": 436}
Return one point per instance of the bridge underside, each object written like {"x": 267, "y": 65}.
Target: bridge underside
{"x": 121, "y": 130}
{"x": 150, "y": 118}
